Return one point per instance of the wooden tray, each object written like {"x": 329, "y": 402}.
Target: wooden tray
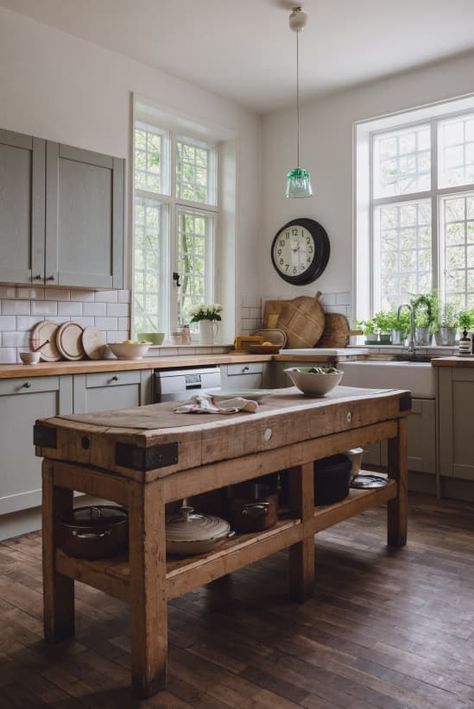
{"x": 69, "y": 341}
{"x": 93, "y": 342}
{"x": 43, "y": 335}
{"x": 336, "y": 332}
{"x": 303, "y": 321}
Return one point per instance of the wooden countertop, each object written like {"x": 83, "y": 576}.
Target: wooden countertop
{"x": 453, "y": 362}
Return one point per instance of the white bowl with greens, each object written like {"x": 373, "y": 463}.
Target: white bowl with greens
{"x": 314, "y": 381}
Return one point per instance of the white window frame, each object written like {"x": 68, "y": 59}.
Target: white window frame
{"x": 365, "y": 204}
{"x": 168, "y": 198}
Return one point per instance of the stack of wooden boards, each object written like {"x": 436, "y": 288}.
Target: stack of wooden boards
{"x": 306, "y": 324}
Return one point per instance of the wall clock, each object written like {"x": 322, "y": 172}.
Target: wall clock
{"x": 300, "y": 251}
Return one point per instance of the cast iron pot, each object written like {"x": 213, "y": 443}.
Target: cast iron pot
{"x": 95, "y": 532}
{"x": 254, "y": 504}
{"x": 332, "y": 477}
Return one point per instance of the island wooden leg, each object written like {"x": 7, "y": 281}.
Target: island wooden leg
{"x": 397, "y": 509}
{"x": 58, "y": 590}
{"x": 148, "y": 609}
{"x": 301, "y": 562}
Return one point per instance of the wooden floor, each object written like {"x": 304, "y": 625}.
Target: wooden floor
{"x": 385, "y": 629}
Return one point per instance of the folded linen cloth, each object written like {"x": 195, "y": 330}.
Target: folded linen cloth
{"x": 206, "y": 404}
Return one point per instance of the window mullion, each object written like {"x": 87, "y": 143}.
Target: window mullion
{"x": 173, "y": 237}
{"x": 436, "y": 245}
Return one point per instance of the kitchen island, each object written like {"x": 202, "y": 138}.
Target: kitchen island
{"x": 146, "y": 457}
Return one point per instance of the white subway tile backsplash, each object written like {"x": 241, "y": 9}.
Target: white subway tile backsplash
{"x": 7, "y": 292}
{"x": 106, "y": 323}
{"x": 94, "y": 309}
{"x": 83, "y": 296}
{"x": 117, "y": 309}
{"x": 16, "y": 339}
{"x": 85, "y": 322}
{"x": 7, "y": 322}
{"x": 57, "y": 293}
{"x": 34, "y": 293}
{"x": 8, "y": 354}
{"x": 343, "y": 298}
{"x": 69, "y": 308}
{"x": 26, "y": 322}
{"x": 124, "y": 296}
{"x": 124, "y": 324}
{"x": 44, "y": 307}
{"x": 15, "y": 307}
{"x": 106, "y": 296}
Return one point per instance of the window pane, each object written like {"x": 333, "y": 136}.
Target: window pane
{"x": 148, "y": 260}
{"x": 193, "y": 261}
{"x": 194, "y": 168}
{"x": 148, "y": 160}
{"x": 402, "y": 250}
{"x": 457, "y": 223}
{"x": 456, "y": 151}
{"x": 402, "y": 162}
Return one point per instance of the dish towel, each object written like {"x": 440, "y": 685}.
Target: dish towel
{"x": 205, "y": 404}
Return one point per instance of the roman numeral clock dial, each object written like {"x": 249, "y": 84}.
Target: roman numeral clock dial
{"x": 300, "y": 251}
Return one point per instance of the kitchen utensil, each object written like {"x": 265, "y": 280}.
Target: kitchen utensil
{"x": 303, "y": 321}
{"x": 332, "y": 477}
{"x": 95, "y": 532}
{"x": 367, "y": 482}
{"x": 271, "y": 312}
{"x": 336, "y": 331}
{"x": 128, "y": 350}
{"x": 30, "y": 357}
{"x": 43, "y": 338}
{"x": 93, "y": 342}
{"x": 273, "y": 335}
{"x": 313, "y": 384}
{"x": 152, "y": 338}
{"x": 189, "y": 532}
{"x": 254, "y": 504}
{"x": 69, "y": 341}
{"x": 243, "y": 342}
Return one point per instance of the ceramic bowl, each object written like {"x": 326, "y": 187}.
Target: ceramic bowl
{"x": 153, "y": 338}
{"x": 30, "y": 357}
{"x": 128, "y": 350}
{"x": 313, "y": 384}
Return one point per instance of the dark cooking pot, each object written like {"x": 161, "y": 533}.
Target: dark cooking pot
{"x": 332, "y": 477}
{"x": 254, "y": 504}
{"x": 95, "y": 532}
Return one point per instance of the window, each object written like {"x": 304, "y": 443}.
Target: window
{"x": 415, "y": 207}
{"x": 175, "y": 216}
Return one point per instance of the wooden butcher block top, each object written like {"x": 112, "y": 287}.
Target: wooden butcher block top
{"x": 153, "y": 441}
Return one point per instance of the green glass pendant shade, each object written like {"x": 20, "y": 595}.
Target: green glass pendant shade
{"x": 298, "y": 183}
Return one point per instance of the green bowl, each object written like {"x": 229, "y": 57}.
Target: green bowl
{"x": 155, "y": 338}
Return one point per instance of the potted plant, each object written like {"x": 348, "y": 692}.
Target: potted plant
{"x": 207, "y": 315}
{"x": 400, "y": 326}
{"x": 425, "y": 307}
{"x": 384, "y": 323}
{"x": 466, "y": 319}
{"x": 369, "y": 329}
{"x": 447, "y": 325}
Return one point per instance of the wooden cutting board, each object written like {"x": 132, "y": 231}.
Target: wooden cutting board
{"x": 303, "y": 321}
{"x": 271, "y": 312}
{"x": 336, "y": 331}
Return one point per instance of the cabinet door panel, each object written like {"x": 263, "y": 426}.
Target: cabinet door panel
{"x": 114, "y": 390}
{"x": 84, "y": 228}
{"x": 22, "y": 205}
{"x": 422, "y": 436}
{"x": 456, "y": 391}
{"x": 116, "y": 397}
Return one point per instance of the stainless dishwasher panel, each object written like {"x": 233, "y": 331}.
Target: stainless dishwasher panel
{"x": 181, "y": 384}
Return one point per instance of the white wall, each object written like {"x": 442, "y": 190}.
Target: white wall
{"x": 326, "y": 129}
{"x": 61, "y": 88}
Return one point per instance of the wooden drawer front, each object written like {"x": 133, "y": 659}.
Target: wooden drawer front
{"x": 28, "y": 385}
{"x": 248, "y": 368}
{"x": 103, "y": 379}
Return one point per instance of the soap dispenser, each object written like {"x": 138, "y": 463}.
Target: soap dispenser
{"x": 465, "y": 345}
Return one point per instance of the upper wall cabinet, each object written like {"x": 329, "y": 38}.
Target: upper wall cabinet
{"x": 61, "y": 214}
{"x": 22, "y": 208}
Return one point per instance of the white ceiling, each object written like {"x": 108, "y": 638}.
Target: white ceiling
{"x": 244, "y": 50}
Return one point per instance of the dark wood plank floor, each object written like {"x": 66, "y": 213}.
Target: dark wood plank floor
{"x": 385, "y": 629}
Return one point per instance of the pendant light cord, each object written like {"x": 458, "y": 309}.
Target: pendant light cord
{"x": 297, "y": 99}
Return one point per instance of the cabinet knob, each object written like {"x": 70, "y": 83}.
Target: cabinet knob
{"x": 50, "y": 278}
{"x": 114, "y": 378}
{"x": 39, "y": 277}
{"x": 245, "y": 369}
{"x": 26, "y": 385}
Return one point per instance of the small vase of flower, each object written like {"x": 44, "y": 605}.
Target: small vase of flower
{"x": 208, "y": 316}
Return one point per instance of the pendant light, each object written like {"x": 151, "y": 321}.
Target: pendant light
{"x": 298, "y": 180}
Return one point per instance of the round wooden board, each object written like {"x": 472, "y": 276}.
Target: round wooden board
{"x": 303, "y": 321}
{"x": 337, "y": 331}
{"x": 69, "y": 341}
{"x": 93, "y": 342}
{"x": 45, "y": 331}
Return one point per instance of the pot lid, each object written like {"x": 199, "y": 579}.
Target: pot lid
{"x": 190, "y": 526}
{"x": 97, "y": 516}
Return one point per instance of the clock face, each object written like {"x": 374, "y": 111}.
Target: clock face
{"x": 300, "y": 251}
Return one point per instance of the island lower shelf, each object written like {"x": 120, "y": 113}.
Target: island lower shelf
{"x": 183, "y": 574}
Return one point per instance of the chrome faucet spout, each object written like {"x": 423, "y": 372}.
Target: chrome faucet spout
{"x": 411, "y": 343}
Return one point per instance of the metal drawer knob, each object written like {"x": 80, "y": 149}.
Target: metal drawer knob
{"x": 50, "y": 278}
{"x": 26, "y": 385}
{"x": 245, "y": 369}
{"x": 349, "y": 417}
{"x": 114, "y": 378}
{"x": 37, "y": 278}
{"x": 268, "y": 433}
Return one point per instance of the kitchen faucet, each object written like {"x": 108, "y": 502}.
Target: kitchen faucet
{"x": 411, "y": 343}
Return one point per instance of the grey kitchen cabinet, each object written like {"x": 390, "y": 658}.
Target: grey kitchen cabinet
{"x": 247, "y": 375}
{"x": 84, "y": 218}
{"x": 456, "y": 432}
{"x": 61, "y": 214}
{"x": 22, "y": 401}
{"x": 22, "y": 208}
{"x": 112, "y": 390}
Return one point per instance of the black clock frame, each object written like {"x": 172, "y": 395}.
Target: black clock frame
{"x": 321, "y": 247}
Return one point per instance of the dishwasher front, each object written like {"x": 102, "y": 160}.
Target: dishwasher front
{"x": 181, "y": 384}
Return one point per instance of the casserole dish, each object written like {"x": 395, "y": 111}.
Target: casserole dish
{"x": 189, "y": 532}
{"x": 95, "y": 532}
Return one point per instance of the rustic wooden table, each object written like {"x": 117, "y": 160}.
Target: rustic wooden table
{"x": 146, "y": 457}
